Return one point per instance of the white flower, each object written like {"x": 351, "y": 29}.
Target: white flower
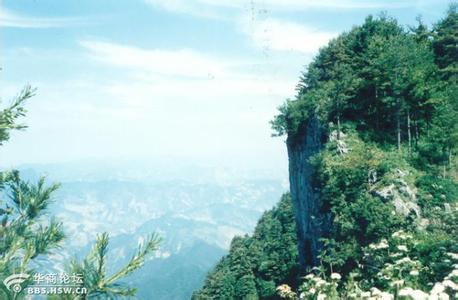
{"x": 397, "y": 233}
{"x": 309, "y": 276}
{"x": 382, "y": 245}
{"x": 403, "y": 260}
{"x": 419, "y": 294}
{"x": 320, "y": 282}
{"x": 414, "y": 294}
{"x": 365, "y": 294}
{"x": 453, "y": 255}
{"x": 385, "y": 296}
{"x": 450, "y": 284}
{"x": 405, "y": 292}
{"x": 414, "y": 273}
{"x": 401, "y": 235}
{"x": 398, "y": 283}
{"x": 321, "y": 297}
{"x": 437, "y": 288}
{"x": 452, "y": 274}
{"x": 375, "y": 291}
{"x": 312, "y": 291}
{"x": 443, "y": 296}
{"x": 402, "y": 248}
{"x": 335, "y": 276}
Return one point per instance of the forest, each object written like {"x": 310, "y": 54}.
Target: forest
{"x": 372, "y": 212}
{"x": 381, "y": 102}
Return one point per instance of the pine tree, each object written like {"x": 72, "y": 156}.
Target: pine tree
{"x": 27, "y": 233}
{"x": 446, "y": 44}
{"x": 95, "y": 279}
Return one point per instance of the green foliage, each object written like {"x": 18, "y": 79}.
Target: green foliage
{"x": 385, "y": 80}
{"x": 26, "y": 231}
{"x": 434, "y": 191}
{"x": 348, "y": 183}
{"x": 256, "y": 265}
{"x": 445, "y": 43}
{"x": 388, "y": 99}
{"x": 15, "y": 110}
{"x": 94, "y": 275}
{"x": 393, "y": 268}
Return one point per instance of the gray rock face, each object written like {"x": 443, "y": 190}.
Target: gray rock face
{"x": 311, "y": 223}
{"x": 403, "y": 197}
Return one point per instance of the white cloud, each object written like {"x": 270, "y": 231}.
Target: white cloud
{"x": 274, "y": 34}
{"x": 183, "y": 62}
{"x": 213, "y": 8}
{"x": 304, "y": 4}
{"x": 179, "y": 72}
{"x": 12, "y": 19}
{"x": 186, "y": 7}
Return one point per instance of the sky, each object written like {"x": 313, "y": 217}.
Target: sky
{"x": 182, "y": 79}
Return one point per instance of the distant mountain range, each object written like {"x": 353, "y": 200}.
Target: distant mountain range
{"x": 197, "y": 215}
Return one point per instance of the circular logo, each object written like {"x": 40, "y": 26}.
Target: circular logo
{"x": 17, "y": 288}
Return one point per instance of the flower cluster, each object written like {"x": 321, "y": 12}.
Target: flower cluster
{"x": 397, "y": 278}
{"x": 320, "y": 286}
{"x": 285, "y": 292}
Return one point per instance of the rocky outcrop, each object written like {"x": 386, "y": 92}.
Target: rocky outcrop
{"x": 311, "y": 223}
{"x": 401, "y": 194}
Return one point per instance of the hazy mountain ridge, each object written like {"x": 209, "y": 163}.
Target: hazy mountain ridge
{"x": 196, "y": 214}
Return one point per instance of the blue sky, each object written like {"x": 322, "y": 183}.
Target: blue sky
{"x": 145, "y": 79}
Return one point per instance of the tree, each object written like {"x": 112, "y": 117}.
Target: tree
{"x": 445, "y": 44}
{"x": 256, "y": 264}
{"x": 27, "y": 232}
{"x": 15, "y": 110}
{"x": 94, "y": 275}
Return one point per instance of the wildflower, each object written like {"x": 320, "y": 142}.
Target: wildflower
{"x": 450, "y": 284}
{"x": 414, "y": 273}
{"x": 437, "y": 288}
{"x": 385, "y": 296}
{"x": 403, "y": 260}
{"x": 353, "y": 295}
{"x": 402, "y": 248}
{"x": 453, "y": 255}
{"x": 398, "y": 234}
{"x": 309, "y": 276}
{"x": 284, "y": 287}
{"x": 382, "y": 245}
{"x": 285, "y": 291}
{"x": 321, "y": 297}
{"x": 335, "y": 276}
{"x": 398, "y": 283}
{"x": 401, "y": 235}
{"x": 443, "y": 296}
{"x": 320, "y": 282}
{"x": 375, "y": 291}
{"x": 414, "y": 294}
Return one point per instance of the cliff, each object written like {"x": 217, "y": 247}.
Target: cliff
{"x": 311, "y": 224}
